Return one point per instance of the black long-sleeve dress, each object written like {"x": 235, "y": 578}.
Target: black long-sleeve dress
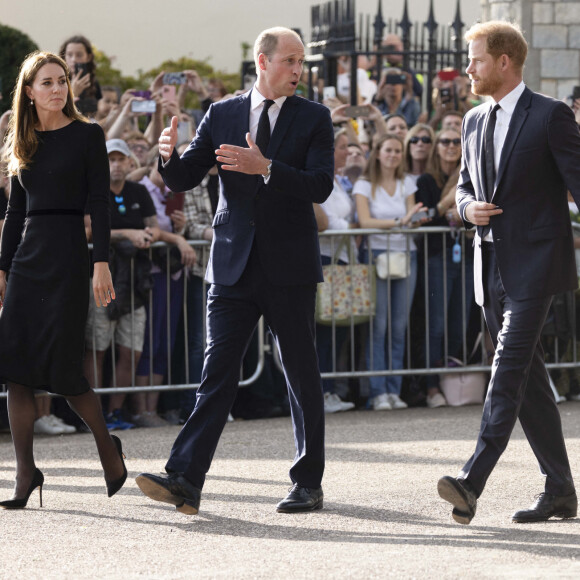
{"x": 44, "y": 249}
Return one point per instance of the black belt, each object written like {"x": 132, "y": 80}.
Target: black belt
{"x": 35, "y": 212}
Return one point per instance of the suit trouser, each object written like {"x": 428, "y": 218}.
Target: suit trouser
{"x": 232, "y": 316}
{"x": 519, "y": 387}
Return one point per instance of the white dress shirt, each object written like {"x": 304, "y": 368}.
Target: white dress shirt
{"x": 504, "y": 116}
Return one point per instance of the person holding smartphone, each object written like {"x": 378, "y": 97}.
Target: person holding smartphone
{"x": 385, "y": 199}
{"x": 77, "y": 52}
{"x": 392, "y": 96}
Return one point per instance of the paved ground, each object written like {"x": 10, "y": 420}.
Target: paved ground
{"x": 382, "y": 516}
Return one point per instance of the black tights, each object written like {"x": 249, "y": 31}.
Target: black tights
{"x": 22, "y": 414}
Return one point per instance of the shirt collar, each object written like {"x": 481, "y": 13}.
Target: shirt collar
{"x": 257, "y": 98}
{"x": 509, "y": 102}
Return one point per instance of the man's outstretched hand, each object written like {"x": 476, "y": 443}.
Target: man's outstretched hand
{"x": 243, "y": 159}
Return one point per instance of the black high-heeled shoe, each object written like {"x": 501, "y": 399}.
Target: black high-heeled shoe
{"x": 18, "y": 504}
{"x": 114, "y": 486}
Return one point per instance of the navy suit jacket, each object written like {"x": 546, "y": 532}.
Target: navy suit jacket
{"x": 277, "y": 215}
{"x": 539, "y": 163}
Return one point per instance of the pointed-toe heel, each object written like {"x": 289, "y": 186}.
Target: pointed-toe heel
{"x": 18, "y": 504}
{"x": 114, "y": 486}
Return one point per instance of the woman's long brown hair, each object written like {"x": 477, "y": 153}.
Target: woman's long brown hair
{"x": 21, "y": 139}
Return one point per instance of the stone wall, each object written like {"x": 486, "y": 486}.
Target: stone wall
{"x": 552, "y": 29}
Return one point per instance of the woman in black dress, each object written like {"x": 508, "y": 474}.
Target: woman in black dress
{"x": 58, "y": 166}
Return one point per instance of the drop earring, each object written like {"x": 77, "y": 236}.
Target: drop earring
{"x": 31, "y": 102}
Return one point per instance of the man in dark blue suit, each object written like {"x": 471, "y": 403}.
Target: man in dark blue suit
{"x": 521, "y": 155}
{"x": 275, "y": 156}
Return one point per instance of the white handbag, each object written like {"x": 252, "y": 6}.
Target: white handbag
{"x": 393, "y": 265}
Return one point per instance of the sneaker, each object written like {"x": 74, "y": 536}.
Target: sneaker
{"x": 58, "y": 422}
{"x": 230, "y": 418}
{"x": 381, "y": 403}
{"x": 45, "y": 426}
{"x": 334, "y": 404}
{"x": 575, "y": 397}
{"x": 436, "y": 400}
{"x": 396, "y": 402}
{"x": 149, "y": 419}
{"x": 115, "y": 421}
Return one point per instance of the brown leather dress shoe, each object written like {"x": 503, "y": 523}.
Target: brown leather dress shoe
{"x": 301, "y": 499}
{"x": 547, "y": 506}
{"x": 173, "y": 489}
{"x": 460, "y": 496}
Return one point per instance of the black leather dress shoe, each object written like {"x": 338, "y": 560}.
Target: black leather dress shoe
{"x": 173, "y": 489}
{"x": 460, "y": 495}
{"x": 301, "y": 499}
{"x": 547, "y": 506}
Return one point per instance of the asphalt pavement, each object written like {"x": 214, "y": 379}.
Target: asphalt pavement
{"x": 382, "y": 516}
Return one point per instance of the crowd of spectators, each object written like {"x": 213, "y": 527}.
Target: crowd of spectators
{"x": 396, "y": 167}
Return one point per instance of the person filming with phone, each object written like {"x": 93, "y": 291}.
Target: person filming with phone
{"x": 77, "y": 52}
{"x": 392, "y": 96}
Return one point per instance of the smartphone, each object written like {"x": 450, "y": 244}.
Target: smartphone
{"x": 576, "y": 92}
{"x": 174, "y": 78}
{"x": 328, "y": 93}
{"x": 146, "y": 107}
{"x": 174, "y": 202}
{"x": 423, "y": 214}
{"x": 445, "y": 94}
{"x": 448, "y": 74}
{"x": 168, "y": 92}
{"x": 396, "y": 79}
{"x": 83, "y": 67}
{"x": 356, "y": 111}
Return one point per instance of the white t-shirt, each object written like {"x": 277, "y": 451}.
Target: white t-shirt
{"x": 339, "y": 207}
{"x": 388, "y": 207}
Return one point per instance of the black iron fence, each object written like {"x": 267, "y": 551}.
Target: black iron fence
{"x": 426, "y": 47}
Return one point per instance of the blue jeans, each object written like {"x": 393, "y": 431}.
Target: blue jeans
{"x": 395, "y": 304}
{"x": 456, "y": 315}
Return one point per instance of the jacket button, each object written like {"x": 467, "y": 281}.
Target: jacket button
{"x": 252, "y": 223}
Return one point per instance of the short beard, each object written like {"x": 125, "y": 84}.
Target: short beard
{"x": 487, "y": 87}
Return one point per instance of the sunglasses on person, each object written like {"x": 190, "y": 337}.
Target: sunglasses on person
{"x": 415, "y": 140}
{"x": 120, "y": 201}
{"x": 447, "y": 142}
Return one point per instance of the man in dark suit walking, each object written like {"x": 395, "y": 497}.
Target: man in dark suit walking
{"x": 275, "y": 156}
{"x": 521, "y": 154}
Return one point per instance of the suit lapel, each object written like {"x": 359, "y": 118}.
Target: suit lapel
{"x": 519, "y": 116}
{"x": 285, "y": 118}
{"x": 243, "y": 116}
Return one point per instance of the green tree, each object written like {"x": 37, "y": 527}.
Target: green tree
{"x": 14, "y": 47}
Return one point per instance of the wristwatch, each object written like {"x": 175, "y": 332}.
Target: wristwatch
{"x": 397, "y": 222}
{"x": 268, "y": 170}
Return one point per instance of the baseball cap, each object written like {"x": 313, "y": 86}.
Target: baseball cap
{"x": 118, "y": 145}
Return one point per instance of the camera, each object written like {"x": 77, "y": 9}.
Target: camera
{"x": 146, "y": 107}
{"x": 396, "y": 79}
{"x": 174, "y": 78}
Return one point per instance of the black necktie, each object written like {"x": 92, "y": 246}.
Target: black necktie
{"x": 489, "y": 153}
{"x": 263, "y": 134}
{"x": 489, "y": 161}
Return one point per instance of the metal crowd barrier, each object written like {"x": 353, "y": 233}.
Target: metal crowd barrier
{"x": 351, "y": 365}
